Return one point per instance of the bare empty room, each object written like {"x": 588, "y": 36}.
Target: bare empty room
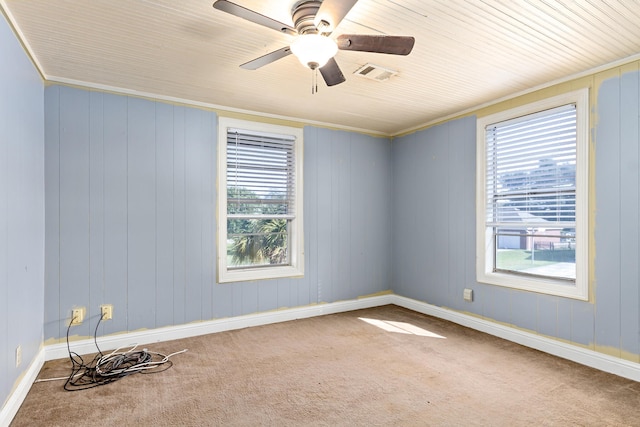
{"x": 338, "y": 212}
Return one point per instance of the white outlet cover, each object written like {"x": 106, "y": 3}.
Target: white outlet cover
{"x": 18, "y": 355}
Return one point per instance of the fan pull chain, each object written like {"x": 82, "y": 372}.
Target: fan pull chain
{"x": 314, "y": 81}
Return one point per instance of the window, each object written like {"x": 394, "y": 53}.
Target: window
{"x": 259, "y": 201}
{"x": 532, "y": 197}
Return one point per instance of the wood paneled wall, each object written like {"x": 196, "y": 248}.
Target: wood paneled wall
{"x": 617, "y": 214}
{"x": 130, "y": 197}
{"x": 434, "y": 226}
{"x": 21, "y": 210}
{"x": 434, "y": 213}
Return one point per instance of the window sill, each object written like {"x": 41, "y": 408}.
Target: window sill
{"x": 561, "y": 288}
{"x": 259, "y": 273}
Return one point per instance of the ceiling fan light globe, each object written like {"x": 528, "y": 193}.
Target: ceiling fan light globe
{"x": 313, "y": 50}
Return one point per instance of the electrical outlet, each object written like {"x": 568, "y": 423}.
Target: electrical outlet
{"x": 18, "y": 355}
{"x": 77, "y": 316}
{"x": 106, "y": 310}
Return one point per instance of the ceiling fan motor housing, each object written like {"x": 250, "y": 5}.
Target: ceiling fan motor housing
{"x": 303, "y": 13}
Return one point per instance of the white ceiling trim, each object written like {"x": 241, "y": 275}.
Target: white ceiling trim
{"x": 223, "y": 108}
{"x": 216, "y": 107}
{"x": 576, "y": 76}
{"x": 16, "y": 29}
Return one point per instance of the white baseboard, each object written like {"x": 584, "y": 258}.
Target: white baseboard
{"x": 601, "y": 361}
{"x": 574, "y": 353}
{"x": 16, "y": 398}
{"x": 580, "y": 355}
{"x": 150, "y": 336}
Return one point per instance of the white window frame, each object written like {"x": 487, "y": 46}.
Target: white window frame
{"x": 484, "y": 234}
{"x": 296, "y": 249}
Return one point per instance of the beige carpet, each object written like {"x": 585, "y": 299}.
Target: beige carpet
{"x": 339, "y": 370}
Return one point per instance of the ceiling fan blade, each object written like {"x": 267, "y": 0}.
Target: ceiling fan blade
{"x": 395, "y": 45}
{"x": 255, "y": 17}
{"x": 267, "y": 59}
{"x": 331, "y": 73}
{"x": 331, "y": 13}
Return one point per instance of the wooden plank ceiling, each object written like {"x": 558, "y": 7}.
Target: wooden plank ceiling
{"x": 467, "y": 53}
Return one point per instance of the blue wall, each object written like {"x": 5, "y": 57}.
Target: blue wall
{"x": 130, "y": 197}
{"x": 21, "y": 210}
{"x": 434, "y": 213}
{"x": 434, "y": 228}
{"x": 617, "y": 217}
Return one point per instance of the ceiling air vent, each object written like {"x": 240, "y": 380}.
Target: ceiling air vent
{"x": 375, "y": 72}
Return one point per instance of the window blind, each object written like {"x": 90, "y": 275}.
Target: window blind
{"x": 260, "y": 175}
{"x": 531, "y": 170}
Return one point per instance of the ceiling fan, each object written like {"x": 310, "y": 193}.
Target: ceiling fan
{"x": 314, "y": 21}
